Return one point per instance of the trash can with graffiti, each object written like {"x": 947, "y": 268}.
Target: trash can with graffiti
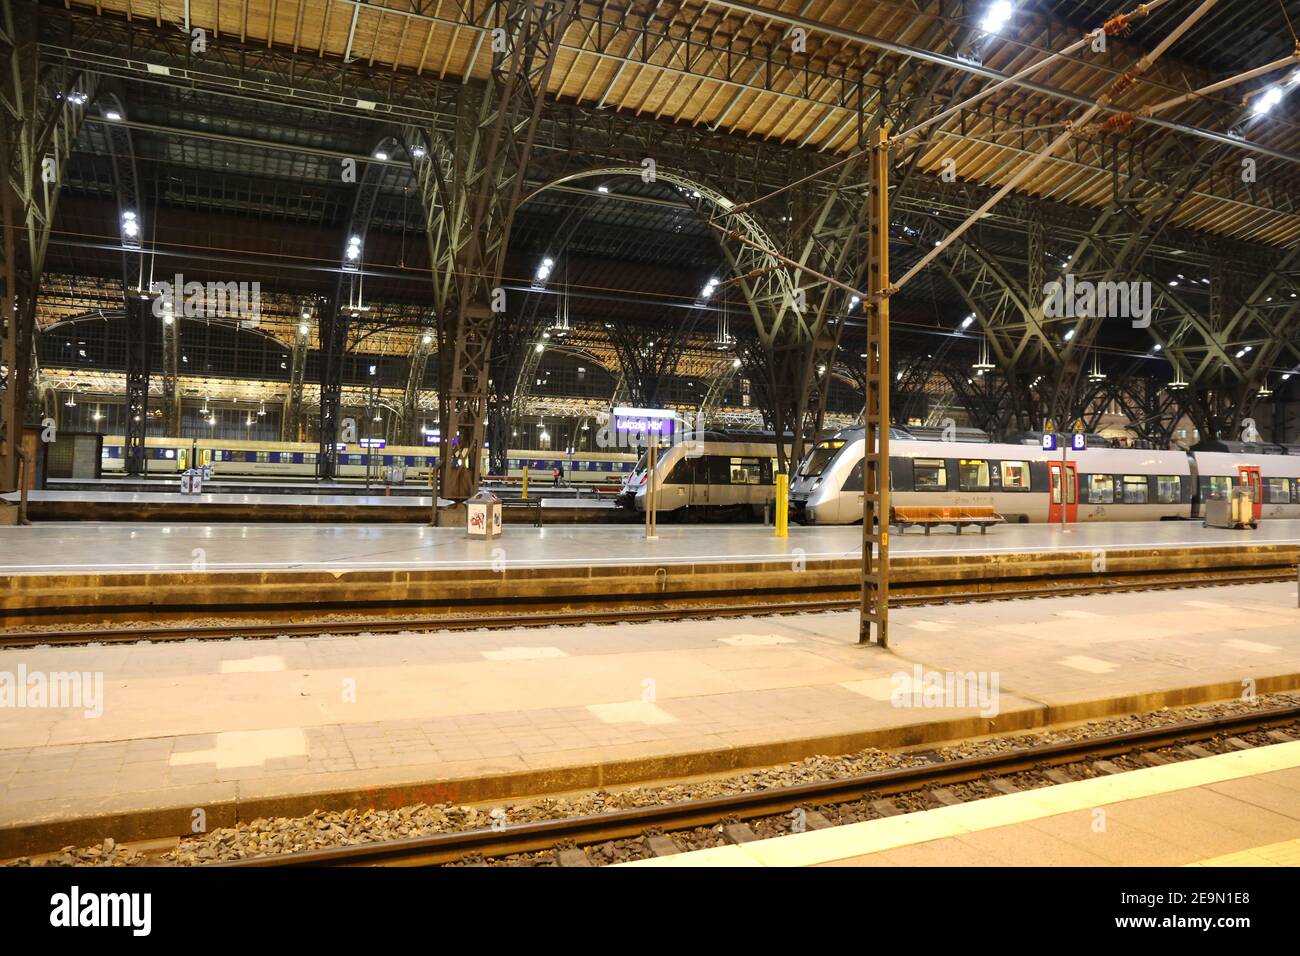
{"x": 483, "y": 515}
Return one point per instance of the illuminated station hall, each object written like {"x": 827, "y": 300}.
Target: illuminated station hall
{"x": 650, "y": 433}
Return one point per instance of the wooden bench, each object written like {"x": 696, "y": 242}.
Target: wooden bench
{"x": 516, "y": 504}
{"x": 959, "y": 518}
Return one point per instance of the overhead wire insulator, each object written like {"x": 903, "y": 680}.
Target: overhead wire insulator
{"x": 1123, "y": 83}
{"x": 1118, "y": 123}
{"x": 1120, "y": 24}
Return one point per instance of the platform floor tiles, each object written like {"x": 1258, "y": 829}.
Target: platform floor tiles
{"x": 1234, "y": 809}
{"x": 125, "y": 547}
{"x": 189, "y": 723}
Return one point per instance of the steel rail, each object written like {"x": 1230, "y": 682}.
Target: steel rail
{"x": 619, "y": 824}
{"x": 618, "y": 610}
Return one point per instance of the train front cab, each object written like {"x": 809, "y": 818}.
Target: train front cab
{"x": 811, "y": 474}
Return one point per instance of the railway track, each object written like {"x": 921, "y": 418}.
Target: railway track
{"x": 1009, "y": 771}
{"x": 306, "y": 621}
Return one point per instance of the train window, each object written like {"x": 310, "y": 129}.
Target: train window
{"x": 1169, "y": 489}
{"x": 1216, "y": 488}
{"x": 746, "y": 471}
{"x": 1134, "y": 489}
{"x": 263, "y": 456}
{"x": 854, "y": 481}
{"x": 1277, "y": 491}
{"x": 308, "y": 457}
{"x": 819, "y": 458}
{"x": 1101, "y": 490}
{"x": 1015, "y": 476}
{"x": 973, "y": 475}
{"x": 683, "y": 472}
{"x": 929, "y": 474}
{"x": 712, "y": 469}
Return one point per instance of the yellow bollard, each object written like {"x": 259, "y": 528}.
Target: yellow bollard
{"x": 782, "y": 506}
{"x": 525, "y": 482}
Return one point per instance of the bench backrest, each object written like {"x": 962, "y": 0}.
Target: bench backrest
{"x": 945, "y": 514}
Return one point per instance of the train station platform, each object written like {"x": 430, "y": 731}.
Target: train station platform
{"x": 85, "y": 569}
{"x": 246, "y": 729}
{"x": 289, "y": 504}
{"x": 107, "y": 547}
{"x": 1234, "y": 809}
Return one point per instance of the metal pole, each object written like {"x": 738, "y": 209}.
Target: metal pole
{"x": 651, "y": 518}
{"x": 22, "y": 487}
{"x": 433, "y": 491}
{"x": 875, "y": 416}
{"x": 783, "y": 505}
{"x": 1063, "y": 480}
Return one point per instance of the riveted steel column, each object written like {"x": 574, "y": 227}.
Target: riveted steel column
{"x": 875, "y": 470}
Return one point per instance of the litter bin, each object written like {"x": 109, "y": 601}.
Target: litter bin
{"x": 483, "y": 515}
{"x": 1237, "y": 510}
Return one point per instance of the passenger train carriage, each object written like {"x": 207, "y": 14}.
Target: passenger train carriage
{"x": 229, "y": 457}
{"x": 1023, "y": 483}
{"x": 720, "y": 472}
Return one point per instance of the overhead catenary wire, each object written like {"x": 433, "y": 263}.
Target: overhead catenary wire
{"x": 1231, "y": 81}
{"x": 1112, "y": 26}
{"x": 1120, "y": 86}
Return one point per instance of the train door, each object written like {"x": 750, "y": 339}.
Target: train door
{"x": 1065, "y": 488}
{"x": 1250, "y": 480}
{"x": 700, "y": 479}
{"x": 180, "y": 459}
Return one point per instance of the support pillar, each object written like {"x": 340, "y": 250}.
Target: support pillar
{"x": 874, "y": 621}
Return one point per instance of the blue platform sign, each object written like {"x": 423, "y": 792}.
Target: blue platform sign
{"x": 1049, "y": 442}
{"x": 1079, "y": 441}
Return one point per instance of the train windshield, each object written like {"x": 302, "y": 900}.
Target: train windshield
{"x": 819, "y": 458}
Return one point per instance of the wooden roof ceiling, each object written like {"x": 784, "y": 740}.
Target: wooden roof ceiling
{"x": 725, "y": 65}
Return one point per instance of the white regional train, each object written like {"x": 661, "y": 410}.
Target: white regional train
{"x": 721, "y": 473}
{"x": 1023, "y": 483}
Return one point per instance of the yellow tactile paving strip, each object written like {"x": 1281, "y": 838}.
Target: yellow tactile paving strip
{"x": 890, "y": 833}
{"x": 1286, "y": 853}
